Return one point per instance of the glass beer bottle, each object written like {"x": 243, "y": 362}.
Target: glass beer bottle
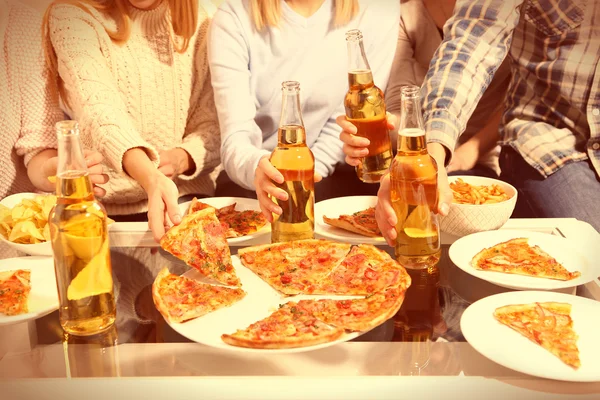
{"x": 295, "y": 161}
{"x": 365, "y": 108}
{"x": 79, "y": 236}
{"x": 413, "y": 177}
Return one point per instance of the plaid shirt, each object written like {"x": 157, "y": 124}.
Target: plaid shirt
{"x": 552, "y": 113}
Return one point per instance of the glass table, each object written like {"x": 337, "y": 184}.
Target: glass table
{"x": 420, "y": 349}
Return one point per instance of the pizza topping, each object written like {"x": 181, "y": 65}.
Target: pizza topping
{"x": 286, "y": 279}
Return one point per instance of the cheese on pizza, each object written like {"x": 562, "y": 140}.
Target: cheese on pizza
{"x": 547, "y": 324}
{"x": 181, "y": 299}
{"x": 200, "y": 241}
{"x": 236, "y": 223}
{"x": 14, "y": 292}
{"x": 516, "y": 256}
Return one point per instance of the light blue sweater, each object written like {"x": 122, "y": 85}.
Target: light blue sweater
{"x": 248, "y": 68}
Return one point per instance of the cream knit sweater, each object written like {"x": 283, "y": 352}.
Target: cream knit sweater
{"x": 28, "y": 99}
{"x": 140, "y": 94}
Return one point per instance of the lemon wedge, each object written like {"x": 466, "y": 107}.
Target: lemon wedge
{"x": 94, "y": 279}
{"x": 419, "y": 233}
{"x": 419, "y": 223}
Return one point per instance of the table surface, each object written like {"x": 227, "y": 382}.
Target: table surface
{"x": 423, "y": 339}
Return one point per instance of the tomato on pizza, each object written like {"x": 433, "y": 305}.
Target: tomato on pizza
{"x": 14, "y": 292}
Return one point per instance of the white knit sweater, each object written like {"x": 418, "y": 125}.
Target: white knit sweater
{"x": 28, "y": 99}
{"x": 140, "y": 94}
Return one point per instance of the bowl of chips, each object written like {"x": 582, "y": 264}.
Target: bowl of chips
{"x": 24, "y": 222}
{"x": 479, "y": 204}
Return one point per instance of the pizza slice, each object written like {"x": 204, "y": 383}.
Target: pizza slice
{"x": 357, "y": 315}
{"x": 294, "y": 267}
{"x": 547, "y": 324}
{"x": 181, "y": 299}
{"x": 287, "y": 327}
{"x": 200, "y": 241}
{"x": 364, "y": 271}
{"x": 516, "y": 256}
{"x": 236, "y": 223}
{"x": 196, "y": 205}
{"x": 14, "y": 292}
{"x": 361, "y": 222}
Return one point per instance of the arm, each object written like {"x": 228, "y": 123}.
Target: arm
{"x": 201, "y": 140}
{"x": 241, "y": 138}
{"x": 477, "y": 39}
{"x": 93, "y": 95}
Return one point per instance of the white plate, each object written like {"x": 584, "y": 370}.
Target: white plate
{"x": 260, "y": 301}
{"x": 43, "y": 298}
{"x": 510, "y": 349}
{"x": 565, "y": 251}
{"x": 38, "y": 249}
{"x": 242, "y": 204}
{"x": 335, "y": 207}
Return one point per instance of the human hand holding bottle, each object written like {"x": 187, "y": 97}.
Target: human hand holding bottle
{"x": 355, "y": 147}
{"x": 266, "y": 177}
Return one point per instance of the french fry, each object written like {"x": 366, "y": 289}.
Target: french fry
{"x": 465, "y": 193}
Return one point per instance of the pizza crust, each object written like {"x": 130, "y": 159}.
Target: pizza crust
{"x": 343, "y": 224}
{"x": 158, "y": 301}
{"x": 285, "y": 343}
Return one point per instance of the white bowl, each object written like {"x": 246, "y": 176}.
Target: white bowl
{"x": 464, "y": 219}
{"x": 38, "y": 249}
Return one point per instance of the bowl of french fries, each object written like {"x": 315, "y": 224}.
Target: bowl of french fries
{"x": 24, "y": 222}
{"x": 479, "y": 204}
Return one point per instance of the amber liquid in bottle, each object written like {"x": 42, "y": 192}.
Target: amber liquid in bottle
{"x": 365, "y": 108}
{"x": 295, "y": 161}
{"x": 413, "y": 177}
{"x": 79, "y": 238}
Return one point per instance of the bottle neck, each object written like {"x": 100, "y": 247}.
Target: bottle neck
{"x": 72, "y": 175}
{"x": 291, "y": 125}
{"x": 292, "y": 135}
{"x": 411, "y": 130}
{"x": 359, "y": 72}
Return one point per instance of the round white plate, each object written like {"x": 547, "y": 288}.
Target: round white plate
{"x": 43, "y": 298}
{"x": 242, "y": 204}
{"x": 39, "y": 249}
{"x": 260, "y": 301}
{"x": 565, "y": 251}
{"x": 335, "y": 207}
{"x": 510, "y": 349}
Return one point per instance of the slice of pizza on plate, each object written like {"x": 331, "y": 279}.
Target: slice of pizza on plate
{"x": 236, "y": 223}
{"x": 200, "y": 241}
{"x": 288, "y": 327}
{"x": 517, "y": 256}
{"x": 14, "y": 292}
{"x": 361, "y": 222}
{"x": 548, "y": 324}
{"x": 180, "y": 299}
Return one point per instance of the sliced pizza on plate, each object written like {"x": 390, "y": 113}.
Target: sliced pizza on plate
{"x": 517, "y": 256}
{"x": 181, "y": 299}
{"x": 200, "y": 241}
{"x": 236, "y": 223}
{"x": 361, "y": 222}
{"x": 548, "y": 324}
{"x": 14, "y": 292}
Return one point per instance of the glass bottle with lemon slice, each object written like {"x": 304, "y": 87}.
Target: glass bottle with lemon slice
{"x": 79, "y": 235}
{"x": 413, "y": 177}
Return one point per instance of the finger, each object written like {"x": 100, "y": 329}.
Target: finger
{"x": 352, "y": 161}
{"x": 99, "y": 192}
{"x": 270, "y": 171}
{"x": 445, "y": 193}
{"x": 355, "y": 152}
{"x": 384, "y": 212}
{"x": 392, "y": 121}
{"x": 155, "y": 218}
{"x": 99, "y": 179}
{"x": 274, "y": 191}
{"x": 353, "y": 140}
{"x": 318, "y": 178}
{"x": 172, "y": 207}
{"x": 167, "y": 170}
{"x": 267, "y": 206}
{"x": 346, "y": 125}
{"x": 93, "y": 158}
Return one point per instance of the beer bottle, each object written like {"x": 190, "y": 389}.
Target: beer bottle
{"x": 365, "y": 108}
{"x": 413, "y": 177}
{"x": 295, "y": 161}
{"x": 78, "y": 232}
{"x": 95, "y": 356}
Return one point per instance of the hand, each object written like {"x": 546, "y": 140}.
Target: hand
{"x": 384, "y": 212}
{"x": 464, "y": 159}
{"x": 265, "y": 177}
{"x": 174, "y": 162}
{"x": 163, "y": 210}
{"x": 94, "y": 166}
{"x": 355, "y": 147}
